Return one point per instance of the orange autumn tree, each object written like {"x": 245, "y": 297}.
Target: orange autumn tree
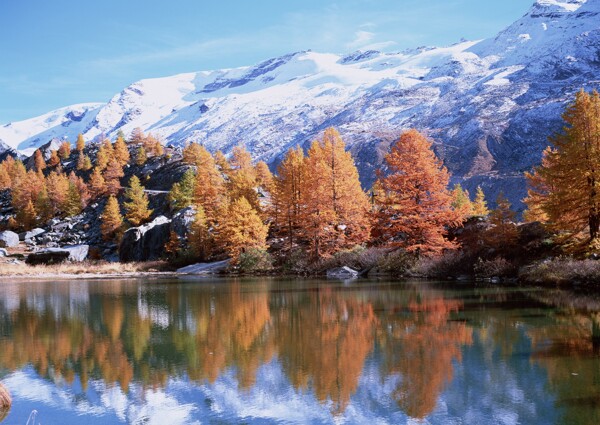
{"x": 414, "y": 206}
{"x": 39, "y": 162}
{"x": 242, "y": 229}
{"x": 564, "y": 190}
{"x": 242, "y": 177}
{"x": 80, "y": 144}
{"x": 287, "y": 197}
{"x": 112, "y": 175}
{"x": 336, "y": 208}
{"x": 209, "y": 185}
{"x": 111, "y": 220}
{"x": 64, "y": 151}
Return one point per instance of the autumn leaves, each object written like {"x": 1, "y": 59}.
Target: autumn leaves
{"x": 315, "y": 203}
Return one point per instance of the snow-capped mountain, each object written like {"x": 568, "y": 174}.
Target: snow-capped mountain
{"x": 489, "y": 105}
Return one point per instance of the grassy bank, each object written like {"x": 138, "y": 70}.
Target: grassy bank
{"x": 83, "y": 269}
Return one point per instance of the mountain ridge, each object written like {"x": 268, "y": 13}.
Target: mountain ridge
{"x": 489, "y": 105}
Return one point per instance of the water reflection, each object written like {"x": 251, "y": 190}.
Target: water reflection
{"x": 302, "y": 351}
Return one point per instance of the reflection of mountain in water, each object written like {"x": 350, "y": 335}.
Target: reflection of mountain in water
{"x": 271, "y": 350}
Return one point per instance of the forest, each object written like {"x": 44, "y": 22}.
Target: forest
{"x": 313, "y": 214}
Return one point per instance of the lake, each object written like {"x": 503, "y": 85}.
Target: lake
{"x": 261, "y": 351}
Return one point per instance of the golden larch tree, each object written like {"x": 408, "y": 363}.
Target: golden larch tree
{"x": 57, "y": 184}
{"x": 565, "y": 189}
{"x": 461, "y": 203}
{"x": 97, "y": 184}
{"x": 136, "y": 206}
{"x": 80, "y": 144}
{"x": 120, "y": 151}
{"x": 38, "y": 160}
{"x": 111, "y": 219}
{"x": 199, "y": 238}
{"x": 336, "y": 207}
{"x": 414, "y": 208}
{"x": 27, "y": 217}
{"x": 112, "y": 175}
{"x": 503, "y": 232}
{"x": 288, "y": 195}
{"x": 141, "y": 156}
{"x": 241, "y": 229}
{"x": 54, "y": 159}
{"x": 209, "y": 190}
{"x": 191, "y": 153}
{"x": 64, "y": 151}
{"x": 84, "y": 163}
{"x": 480, "y": 207}
{"x": 242, "y": 177}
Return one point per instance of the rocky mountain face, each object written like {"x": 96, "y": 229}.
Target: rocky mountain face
{"x": 489, "y": 105}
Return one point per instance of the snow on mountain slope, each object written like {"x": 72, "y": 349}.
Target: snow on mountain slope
{"x": 489, "y": 105}
{"x": 65, "y": 122}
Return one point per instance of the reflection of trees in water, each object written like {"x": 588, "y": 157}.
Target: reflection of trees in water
{"x": 322, "y": 337}
{"x": 420, "y": 344}
{"x": 568, "y": 351}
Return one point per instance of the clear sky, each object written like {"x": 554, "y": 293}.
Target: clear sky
{"x": 55, "y": 53}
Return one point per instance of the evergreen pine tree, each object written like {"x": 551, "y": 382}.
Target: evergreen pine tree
{"x": 182, "y": 193}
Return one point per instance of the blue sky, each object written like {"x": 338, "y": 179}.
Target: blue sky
{"x": 60, "y": 52}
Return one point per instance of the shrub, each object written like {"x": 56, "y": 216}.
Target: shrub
{"x": 396, "y": 262}
{"x": 255, "y": 260}
{"x": 497, "y": 267}
{"x": 449, "y": 263}
{"x": 562, "y": 270}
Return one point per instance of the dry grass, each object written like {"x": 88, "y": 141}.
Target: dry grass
{"x": 83, "y": 269}
{"x": 562, "y": 271}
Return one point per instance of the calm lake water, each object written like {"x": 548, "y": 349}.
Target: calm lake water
{"x": 290, "y": 351}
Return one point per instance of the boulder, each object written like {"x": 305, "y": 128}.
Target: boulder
{"x": 147, "y": 242}
{"x": 48, "y": 256}
{"x": 30, "y": 234}
{"x": 75, "y": 253}
{"x": 342, "y": 273}
{"x": 3, "y": 252}
{"x": 205, "y": 268}
{"x": 8, "y": 239}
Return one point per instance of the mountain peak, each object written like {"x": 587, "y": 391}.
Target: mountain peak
{"x": 561, "y": 6}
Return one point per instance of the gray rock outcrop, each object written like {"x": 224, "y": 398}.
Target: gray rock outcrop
{"x": 342, "y": 273}
{"x": 145, "y": 243}
{"x": 47, "y": 256}
{"x": 74, "y": 253}
{"x": 8, "y": 239}
{"x": 182, "y": 221}
{"x": 205, "y": 268}
{"x": 29, "y": 237}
